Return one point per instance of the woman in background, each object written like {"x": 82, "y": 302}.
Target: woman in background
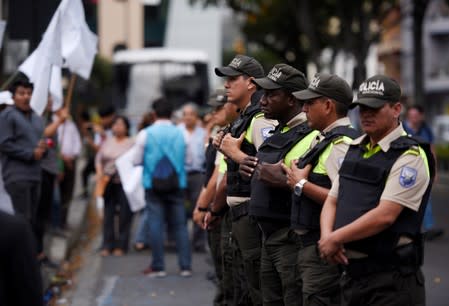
{"x": 115, "y": 200}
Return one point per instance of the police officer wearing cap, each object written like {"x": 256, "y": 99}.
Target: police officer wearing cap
{"x": 326, "y": 103}
{"x": 371, "y": 220}
{"x": 244, "y": 137}
{"x": 270, "y": 196}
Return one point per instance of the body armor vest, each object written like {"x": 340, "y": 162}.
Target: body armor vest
{"x": 236, "y": 185}
{"x": 362, "y": 181}
{"x": 270, "y": 202}
{"x": 305, "y": 211}
{"x": 211, "y": 153}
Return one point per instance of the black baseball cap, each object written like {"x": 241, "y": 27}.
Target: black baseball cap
{"x": 218, "y": 98}
{"x": 283, "y": 76}
{"x": 327, "y": 85}
{"x": 241, "y": 64}
{"x": 376, "y": 91}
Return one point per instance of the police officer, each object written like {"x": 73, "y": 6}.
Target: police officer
{"x": 326, "y": 103}
{"x": 371, "y": 220}
{"x": 223, "y": 114}
{"x": 243, "y": 139}
{"x": 270, "y": 197}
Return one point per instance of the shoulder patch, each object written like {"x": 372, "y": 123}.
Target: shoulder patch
{"x": 408, "y": 177}
{"x": 266, "y": 132}
{"x": 413, "y": 151}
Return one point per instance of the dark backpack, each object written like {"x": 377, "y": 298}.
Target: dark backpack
{"x": 165, "y": 178}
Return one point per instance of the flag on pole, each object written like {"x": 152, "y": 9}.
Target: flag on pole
{"x": 38, "y": 66}
{"x": 67, "y": 37}
{"x": 79, "y": 44}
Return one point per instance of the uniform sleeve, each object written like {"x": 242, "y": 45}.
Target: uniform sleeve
{"x": 261, "y": 130}
{"x": 333, "y": 192}
{"x": 407, "y": 182}
{"x": 336, "y": 157}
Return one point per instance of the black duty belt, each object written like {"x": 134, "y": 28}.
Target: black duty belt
{"x": 240, "y": 210}
{"x": 307, "y": 239}
{"x": 365, "y": 266}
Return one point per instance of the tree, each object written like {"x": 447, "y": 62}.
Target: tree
{"x": 296, "y": 31}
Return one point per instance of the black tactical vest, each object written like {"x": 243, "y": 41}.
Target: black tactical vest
{"x": 270, "y": 202}
{"x": 237, "y": 185}
{"x": 211, "y": 153}
{"x": 362, "y": 181}
{"x": 306, "y": 212}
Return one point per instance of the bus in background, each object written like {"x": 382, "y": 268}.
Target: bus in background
{"x": 143, "y": 75}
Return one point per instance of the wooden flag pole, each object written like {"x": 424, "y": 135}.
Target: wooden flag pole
{"x": 68, "y": 99}
{"x": 9, "y": 80}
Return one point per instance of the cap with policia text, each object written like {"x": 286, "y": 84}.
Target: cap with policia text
{"x": 241, "y": 64}
{"x": 327, "y": 85}
{"x": 376, "y": 91}
{"x": 283, "y": 76}
{"x": 218, "y": 98}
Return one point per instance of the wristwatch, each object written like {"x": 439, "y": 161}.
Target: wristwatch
{"x": 299, "y": 186}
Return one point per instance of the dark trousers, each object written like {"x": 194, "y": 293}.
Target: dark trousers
{"x": 214, "y": 239}
{"x": 279, "y": 269}
{"x": 320, "y": 280}
{"x": 116, "y": 204}
{"x": 248, "y": 238}
{"x": 44, "y": 208}
{"x": 392, "y": 288}
{"x": 88, "y": 169}
{"x": 25, "y": 198}
{"x": 195, "y": 183}
{"x": 66, "y": 187}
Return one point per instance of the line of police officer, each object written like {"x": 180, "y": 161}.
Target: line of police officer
{"x": 290, "y": 158}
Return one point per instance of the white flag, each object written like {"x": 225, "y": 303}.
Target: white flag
{"x": 56, "y": 88}
{"x": 38, "y": 66}
{"x": 79, "y": 44}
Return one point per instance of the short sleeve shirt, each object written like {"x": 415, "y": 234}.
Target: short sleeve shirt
{"x": 412, "y": 163}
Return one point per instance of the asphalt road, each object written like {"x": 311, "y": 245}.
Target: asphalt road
{"x": 116, "y": 281}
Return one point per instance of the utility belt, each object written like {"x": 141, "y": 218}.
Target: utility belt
{"x": 194, "y": 172}
{"x": 268, "y": 227}
{"x": 308, "y": 238}
{"x": 406, "y": 259}
{"x": 239, "y": 210}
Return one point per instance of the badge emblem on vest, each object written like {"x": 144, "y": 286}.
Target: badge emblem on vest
{"x": 408, "y": 177}
{"x": 266, "y": 132}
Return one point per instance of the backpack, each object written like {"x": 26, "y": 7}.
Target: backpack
{"x": 165, "y": 178}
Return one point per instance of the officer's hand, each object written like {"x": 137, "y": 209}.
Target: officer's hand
{"x": 198, "y": 217}
{"x": 294, "y": 174}
{"x": 216, "y": 142}
{"x": 210, "y": 221}
{"x": 271, "y": 174}
{"x": 230, "y": 146}
{"x": 248, "y": 166}
{"x": 329, "y": 247}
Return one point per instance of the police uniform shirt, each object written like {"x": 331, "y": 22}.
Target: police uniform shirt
{"x": 259, "y": 129}
{"x": 304, "y": 145}
{"x": 332, "y": 157}
{"x": 409, "y": 176}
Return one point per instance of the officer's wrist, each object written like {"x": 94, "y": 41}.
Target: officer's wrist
{"x": 219, "y": 213}
{"x": 202, "y": 209}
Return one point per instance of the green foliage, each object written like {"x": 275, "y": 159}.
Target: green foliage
{"x": 101, "y": 76}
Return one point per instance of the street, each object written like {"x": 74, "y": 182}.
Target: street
{"x": 117, "y": 281}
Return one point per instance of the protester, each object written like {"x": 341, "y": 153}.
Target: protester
{"x": 194, "y": 137}
{"x": 415, "y": 125}
{"x": 377, "y": 241}
{"x": 22, "y": 147}
{"x": 115, "y": 201}
{"x": 50, "y": 171}
{"x": 163, "y": 154}
{"x": 69, "y": 141}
